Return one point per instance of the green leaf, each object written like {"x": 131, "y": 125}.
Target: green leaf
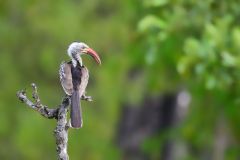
{"x": 149, "y": 22}
{"x": 228, "y": 59}
{"x": 155, "y": 3}
{"x": 184, "y": 64}
{"x": 192, "y": 47}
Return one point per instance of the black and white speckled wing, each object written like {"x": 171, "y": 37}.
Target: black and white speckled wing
{"x": 65, "y": 75}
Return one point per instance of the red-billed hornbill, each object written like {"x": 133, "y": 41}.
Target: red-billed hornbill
{"x": 74, "y": 77}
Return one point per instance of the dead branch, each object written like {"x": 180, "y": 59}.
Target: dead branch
{"x": 36, "y": 105}
{"x": 60, "y": 114}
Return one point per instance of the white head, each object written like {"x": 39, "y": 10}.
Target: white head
{"x": 76, "y": 49}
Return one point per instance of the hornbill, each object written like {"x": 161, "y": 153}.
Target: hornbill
{"x": 74, "y": 78}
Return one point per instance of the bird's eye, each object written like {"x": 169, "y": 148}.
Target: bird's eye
{"x": 83, "y": 47}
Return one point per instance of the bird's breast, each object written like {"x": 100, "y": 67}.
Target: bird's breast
{"x": 76, "y": 76}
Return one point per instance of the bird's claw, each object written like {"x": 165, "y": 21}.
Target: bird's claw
{"x": 87, "y": 98}
{"x": 68, "y": 125}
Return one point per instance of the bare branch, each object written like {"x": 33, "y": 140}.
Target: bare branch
{"x": 61, "y": 131}
{"x": 37, "y": 106}
{"x": 60, "y": 113}
{"x": 35, "y": 94}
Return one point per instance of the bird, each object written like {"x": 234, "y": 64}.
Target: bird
{"x": 74, "y": 78}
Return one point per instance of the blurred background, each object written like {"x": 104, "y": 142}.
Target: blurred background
{"x": 168, "y": 87}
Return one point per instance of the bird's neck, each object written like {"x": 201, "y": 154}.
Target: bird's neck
{"x": 76, "y": 61}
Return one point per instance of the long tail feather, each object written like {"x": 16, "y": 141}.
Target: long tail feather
{"x": 76, "y": 114}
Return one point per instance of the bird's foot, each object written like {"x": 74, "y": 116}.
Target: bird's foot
{"x": 87, "y": 98}
{"x": 68, "y": 125}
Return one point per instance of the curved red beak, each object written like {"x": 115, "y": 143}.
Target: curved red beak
{"x": 94, "y": 54}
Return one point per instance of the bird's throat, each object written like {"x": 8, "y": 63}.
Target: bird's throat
{"x": 76, "y": 61}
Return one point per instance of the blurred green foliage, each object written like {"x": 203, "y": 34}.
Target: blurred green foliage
{"x": 147, "y": 47}
{"x": 34, "y": 39}
{"x": 195, "y": 44}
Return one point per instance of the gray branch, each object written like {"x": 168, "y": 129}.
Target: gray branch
{"x": 61, "y": 131}
{"x": 60, "y": 114}
{"x": 36, "y": 105}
